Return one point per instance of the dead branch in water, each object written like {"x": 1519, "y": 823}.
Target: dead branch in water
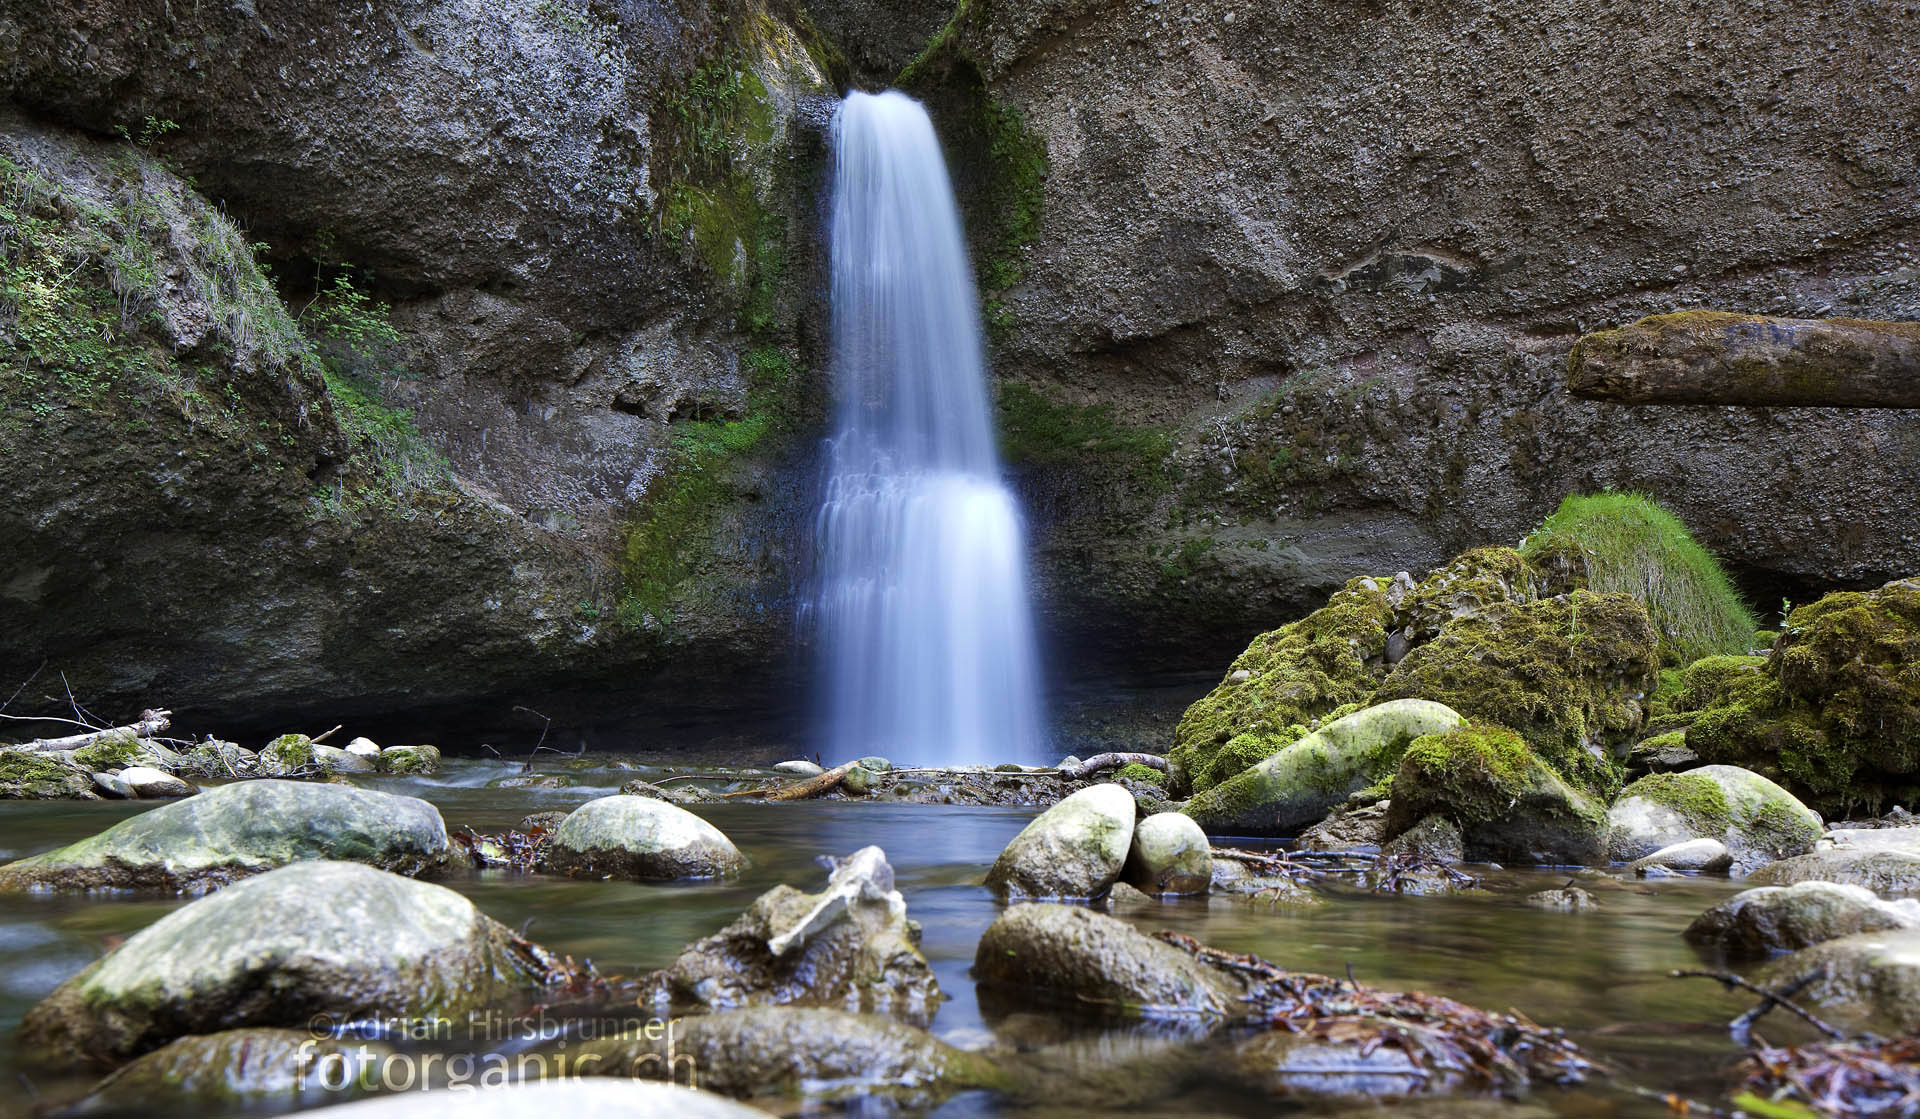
{"x": 150, "y": 724}
{"x": 799, "y": 790}
{"x": 1781, "y": 998}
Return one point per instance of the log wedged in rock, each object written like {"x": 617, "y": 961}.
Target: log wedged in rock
{"x": 1718, "y": 357}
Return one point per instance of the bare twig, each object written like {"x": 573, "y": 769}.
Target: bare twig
{"x": 1730, "y": 981}
{"x": 23, "y": 685}
{"x": 319, "y": 738}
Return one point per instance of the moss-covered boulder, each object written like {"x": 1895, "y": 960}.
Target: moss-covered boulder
{"x": 39, "y": 775}
{"x": 315, "y": 938}
{"x": 290, "y": 755}
{"x": 114, "y": 750}
{"x": 409, "y": 761}
{"x": 1086, "y": 960}
{"x": 1758, "y": 820}
{"x": 1769, "y": 919}
{"x": 1073, "y": 850}
{"x": 219, "y": 760}
{"x": 237, "y": 1072}
{"x": 641, "y": 838}
{"x": 1306, "y": 780}
{"x": 242, "y": 829}
{"x": 850, "y": 945}
{"x": 1508, "y": 804}
{"x": 792, "y": 1051}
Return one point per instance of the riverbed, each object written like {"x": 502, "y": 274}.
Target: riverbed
{"x": 1600, "y": 974}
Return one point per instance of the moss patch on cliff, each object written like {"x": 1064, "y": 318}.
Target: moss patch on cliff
{"x": 1627, "y": 543}
{"x": 1040, "y": 430}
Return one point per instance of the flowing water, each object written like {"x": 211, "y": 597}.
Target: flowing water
{"x": 1601, "y": 974}
{"x": 922, "y": 606}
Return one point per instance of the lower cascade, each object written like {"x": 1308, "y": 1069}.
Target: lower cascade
{"x": 922, "y": 603}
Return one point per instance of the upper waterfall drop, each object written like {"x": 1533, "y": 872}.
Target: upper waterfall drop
{"x": 922, "y": 604}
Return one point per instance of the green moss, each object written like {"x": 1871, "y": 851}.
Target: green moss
{"x": 1473, "y": 776}
{"x": 34, "y": 775}
{"x": 1698, "y": 800}
{"x": 1243, "y": 752}
{"x": 1137, "y": 772}
{"x": 115, "y": 751}
{"x": 1564, "y": 672}
{"x": 1621, "y": 542}
{"x": 291, "y": 751}
{"x": 1037, "y": 429}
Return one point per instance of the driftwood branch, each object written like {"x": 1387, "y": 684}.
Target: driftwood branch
{"x": 1715, "y": 357}
{"x": 799, "y": 790}
{"x": 150, "y": 724}
{"x": 1773, "y": 998}
{"x": 1099, "y": 762}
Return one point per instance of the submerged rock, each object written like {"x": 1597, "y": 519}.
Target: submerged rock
{"x": 1701, "y": 856}
{"x": 38, "y": 775}
{"x": 249, "y": 1070}
{"x": 1882, "y": 870}
{"x": 1786, "y": 918}
{"x": 1508, "y": 804}
{"x": 1568, "y": 898}
{"x": 324, "y": 939}
{"x": 792, "y": 1051}
{"x": 573, "y": 1098}
{"x": 1870, "y": 979}
{"x": 1758, "y": 820}
{"x": 1073, "y": 850}
{"x": 236, "y": 830}
{"x": 1068, "y": 955}
{"x": 1301, "y": 783}
{"x": 849, "y": 945}
{"x": 1170, "y": 855}
{"x": 635, "y": 837}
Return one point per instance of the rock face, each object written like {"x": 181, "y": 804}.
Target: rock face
{"x": 249, "y": 1070}
{"x": 637, "y": 837}
{"x": 1078, "y": 957}
{"x": 237, "y": 830}
{"x": 1787, "y": 918}
{"x": 1073, "y": 850}
{"x": 1758, "y": 820}
{"x": 1170, "y": 855}
{"x": 1706, "y": 357}
{"x": 1872, "y": 979}
{"x": 1343, "y": 314}
{"x": 315, "y": 938}
{"x": 1301, "y": 783}
{"x": 849, "y": 945}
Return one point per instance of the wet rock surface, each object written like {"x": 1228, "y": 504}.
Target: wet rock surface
{"x": 1757, "y": 820}
{"x": 1073, "y": 850}
{"x": 1170, "y": 855}
{"x": 1787, "y": 918}
{"x": 577, "y": 1099}
{"x": 327, "y": 939}
{"x": 1884, "y": 871}
{"x": 233, "y": 831}
{"x": 248, "y": 1070}
{"x": 638, "y": 837}
{"x": 1869, "y": 980}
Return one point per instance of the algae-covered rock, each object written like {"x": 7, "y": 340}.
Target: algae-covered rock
{"x": 1092, "y": 962}
{"x": 1170, "y": 855}
{"x": 1771, "y": 919}
{"x": 858, "y": 781}
{"x": 409, "y": 761}
{"x": 1868, "y": 980}
{"x": 574, "y": 1098}
{"x": 1304, "y": 781}
{"x": 1509, "y": 805}
{"x": 38, "y": 775}
{"x": 113, "y": 750}
{"x": 792, "y": 1051}
{"x": 290, "y": 755}
{"x": 315, "y": 938}
{"x": 1758, "y": 820}
{"x": 1073, "y": 850}
{"x": 247, "y": 1070}
{"x": 849, "y": 945}
{"x": 220, "y": 761}
{"x": 1882, "y": 870}
{"x": 241, "y": 829}
{"x": 636, "y": 837}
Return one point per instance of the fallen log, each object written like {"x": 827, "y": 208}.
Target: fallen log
{"x": 799, "y": 790}
{"x": 1716, "y": 357}
{"x": 1099, "y": 762}
{"x": 150, "y": 724}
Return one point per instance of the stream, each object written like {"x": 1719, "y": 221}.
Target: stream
{"x": 1602, "y": 974}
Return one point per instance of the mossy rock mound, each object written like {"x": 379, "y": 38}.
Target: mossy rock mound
{"x": 316, "y": 938}
{"x": 290, "y": 755}
{"x": 1305, "y": 781}
{"x": 38, "y": 775}
{"x": 1625, "y": 543}
{"x": 233, "y": 831}
{"x": 1832, "y": 713}
{"x": 1758, "y": 820}
{"x": 1509, "y": 805}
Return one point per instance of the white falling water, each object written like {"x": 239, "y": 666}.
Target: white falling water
{"x": 922, "y": 606}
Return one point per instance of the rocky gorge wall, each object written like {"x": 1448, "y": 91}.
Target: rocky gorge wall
{"x": 1277, "y": 295}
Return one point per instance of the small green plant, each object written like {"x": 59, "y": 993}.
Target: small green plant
{"x": 151, "y": 129}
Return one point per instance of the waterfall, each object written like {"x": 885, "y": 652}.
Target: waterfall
{"x": 922, "y": 602}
